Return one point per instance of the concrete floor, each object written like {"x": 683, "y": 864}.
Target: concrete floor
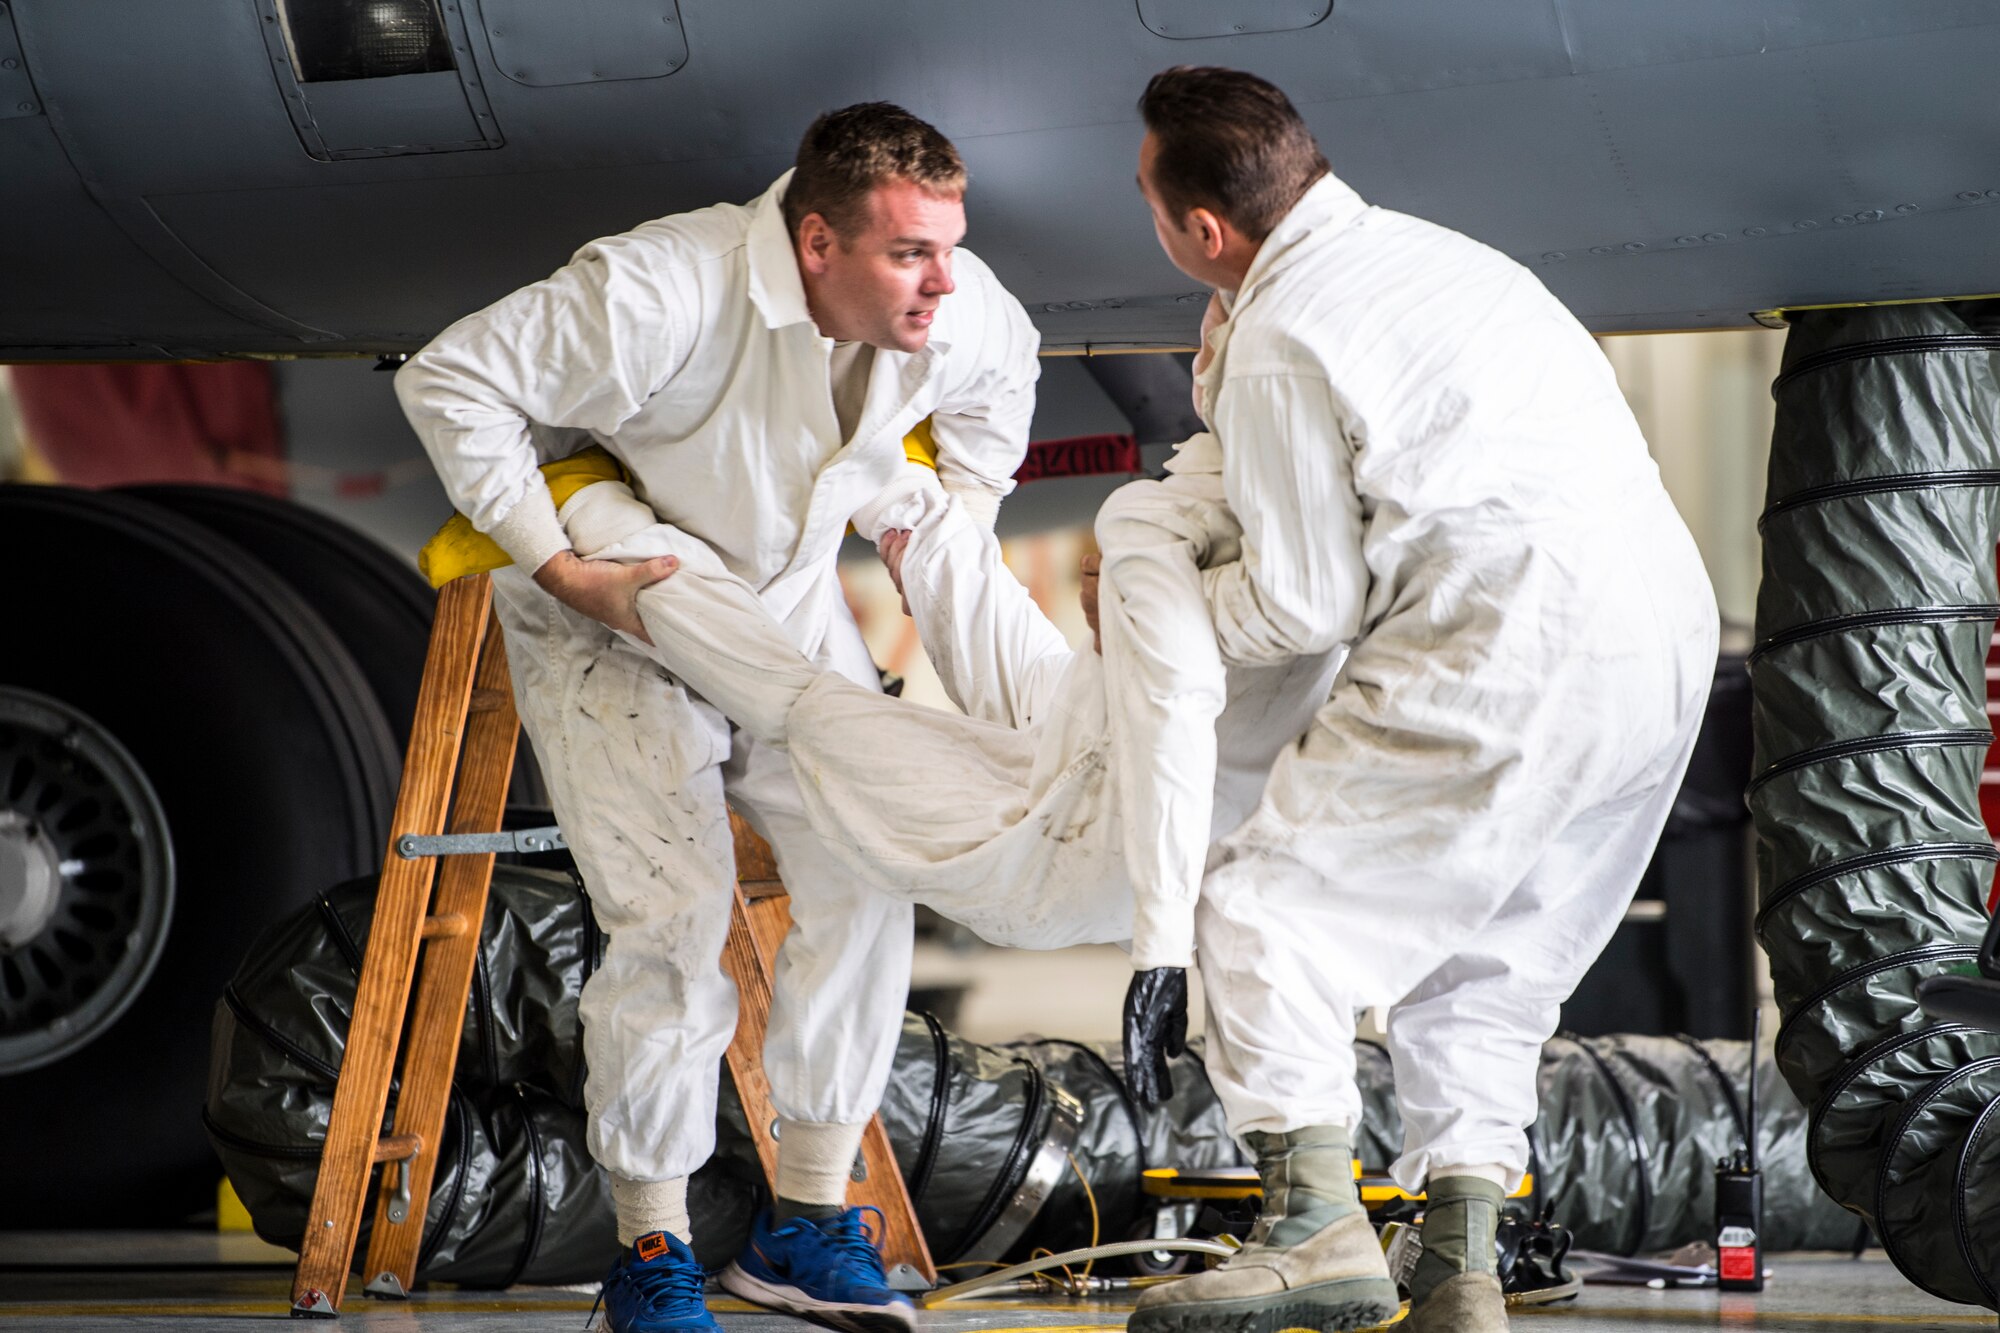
{"x": 102, "y": 1281}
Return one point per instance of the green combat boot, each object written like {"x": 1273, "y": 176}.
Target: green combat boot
{"x": 1311, "y": 1262}
{"x": 1456, "y": 1288}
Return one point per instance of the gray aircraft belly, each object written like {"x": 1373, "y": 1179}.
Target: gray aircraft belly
{"x": 170, "y": 185}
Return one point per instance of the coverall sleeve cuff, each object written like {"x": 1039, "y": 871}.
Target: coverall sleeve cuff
{"x": 599, "y": 517}
{"x": 1162, "y": 935}
{"x": 530, "y": 533}
{"x": 903, "y": 504}
{"x": 982, "y": 507}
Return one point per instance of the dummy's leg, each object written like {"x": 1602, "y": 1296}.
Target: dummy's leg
{"x": 718, "y": 639}
{"x": 633, "y": 767}
{"x": 838, "y": 995}
{"x": 709, "y": 629}
{"x": 1164, "y": 687}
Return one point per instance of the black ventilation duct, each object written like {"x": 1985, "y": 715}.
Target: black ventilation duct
{"x": 1873, "y": 623}
{"x": 994, "y": 1141}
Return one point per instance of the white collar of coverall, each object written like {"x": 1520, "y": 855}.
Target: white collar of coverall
{"x": 775, "y": 286}
{"x": 1328, "y": 206}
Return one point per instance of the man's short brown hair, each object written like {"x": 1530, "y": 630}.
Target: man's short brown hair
{"x": 847, "y": 153}
{"x": 1230, "y": 142}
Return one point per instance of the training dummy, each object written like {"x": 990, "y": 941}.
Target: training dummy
{"x": 1010, "y": 820}
{"x": 755, "y": 370}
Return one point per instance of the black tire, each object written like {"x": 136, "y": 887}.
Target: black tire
{"x": 276, "y": 770}
{"x": 374, "y": 601}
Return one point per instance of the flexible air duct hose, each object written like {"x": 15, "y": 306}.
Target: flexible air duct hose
{"x": 1629, "y": 1132}
{"x": 1873, "y": 623}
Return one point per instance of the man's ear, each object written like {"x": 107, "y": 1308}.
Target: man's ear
{"x": 1208, "y": 229}
{"x": 815, "y": 239}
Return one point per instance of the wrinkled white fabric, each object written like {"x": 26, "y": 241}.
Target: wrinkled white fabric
{"x": 976, "y": 819}
{"x": 685, "y": 347}
{"x": 1433, "y": 462}
{"x": 1188, "y": 739}
{"x": 1010, "y": 820}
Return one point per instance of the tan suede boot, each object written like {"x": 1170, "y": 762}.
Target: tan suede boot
{"x": 1456, "y": 1288}
{"x": 1313, "y": 1260}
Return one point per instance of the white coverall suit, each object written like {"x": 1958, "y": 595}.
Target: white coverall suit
{"x": 685, "y": 347}
{"x": 1432, "y": 462}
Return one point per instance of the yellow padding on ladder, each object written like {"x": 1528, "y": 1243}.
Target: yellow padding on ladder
{"x": 920, "y": 446}
{"x": 459, "y": 548}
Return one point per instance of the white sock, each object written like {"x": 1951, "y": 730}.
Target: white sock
{"x": 651, "y": 1205}
{"x": 815, "y": 1161}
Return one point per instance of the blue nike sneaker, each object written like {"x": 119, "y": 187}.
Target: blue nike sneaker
{"x": 655, "y": 1287}
{"x": 828, "y": 1271}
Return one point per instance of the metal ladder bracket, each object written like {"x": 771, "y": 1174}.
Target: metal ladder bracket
{"x": 411, "y": 846}
{"x": 313, "y": 1304}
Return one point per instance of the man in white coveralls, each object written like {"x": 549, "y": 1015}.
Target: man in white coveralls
{"x": 755, "y": 369}
{"x": 1431, "y": 461}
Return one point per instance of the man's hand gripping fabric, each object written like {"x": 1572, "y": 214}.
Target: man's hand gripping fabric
{"x": 604, "y": 590}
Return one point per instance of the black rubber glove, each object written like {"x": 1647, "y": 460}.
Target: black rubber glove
{"x": 1155, "y": 1031}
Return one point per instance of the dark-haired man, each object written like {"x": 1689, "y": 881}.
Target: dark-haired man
{"x": 1432, "y": 464}
{"x": 755, "y": 370}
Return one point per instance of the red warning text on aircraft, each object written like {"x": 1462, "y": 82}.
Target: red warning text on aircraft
{"x": 1080, "y": 456}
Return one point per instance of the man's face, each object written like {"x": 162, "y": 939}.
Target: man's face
{"x": 883, "y": 284}
{"x": 1182, "y": 242}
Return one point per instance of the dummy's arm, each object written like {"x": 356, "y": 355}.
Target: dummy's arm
{"x": 603, "y": 518}
{"x": 997, "y": 655}
{"x": 1288, "y": 471}
{"x": 585, "y": 348}
{"x": 981, "y": 424}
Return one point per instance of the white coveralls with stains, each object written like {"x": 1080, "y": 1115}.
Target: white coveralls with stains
{"x": 685, "y": 347}
{"x": 1433, "y": 463}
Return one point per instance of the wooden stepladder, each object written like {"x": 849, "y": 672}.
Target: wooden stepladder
{"x": 428, "y": 911}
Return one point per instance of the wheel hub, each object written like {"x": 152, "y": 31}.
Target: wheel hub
{"x": 86, "y": 880}
{"x": 30, "y": 879}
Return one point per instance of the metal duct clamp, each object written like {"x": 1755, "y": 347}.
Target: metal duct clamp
{"x": 1045, "y": 1172}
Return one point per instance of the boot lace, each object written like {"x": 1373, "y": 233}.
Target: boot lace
{"x": 848, "y": 1244}
{"x": 660, "y": 1289}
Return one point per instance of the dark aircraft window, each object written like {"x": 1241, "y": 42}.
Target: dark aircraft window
{"x": 365, "y": 39}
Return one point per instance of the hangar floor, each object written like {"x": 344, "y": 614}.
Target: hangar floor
{"x": 102, "y": 1281}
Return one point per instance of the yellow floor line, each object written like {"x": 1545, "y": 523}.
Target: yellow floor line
{"x": 1753, "y": 1317}
{"x": 1745, "y": 1316}
{"x": 187, "y": 1310}
{"x": 275, "y": 1309}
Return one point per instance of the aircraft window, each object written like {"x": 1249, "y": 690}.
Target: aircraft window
{"x": 364, "y": 39}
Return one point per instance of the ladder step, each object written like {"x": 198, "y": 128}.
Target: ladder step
{"x": 486, "y": 700}
{"x": 448, "y": 926}
{"x": 397, "y": 1147}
